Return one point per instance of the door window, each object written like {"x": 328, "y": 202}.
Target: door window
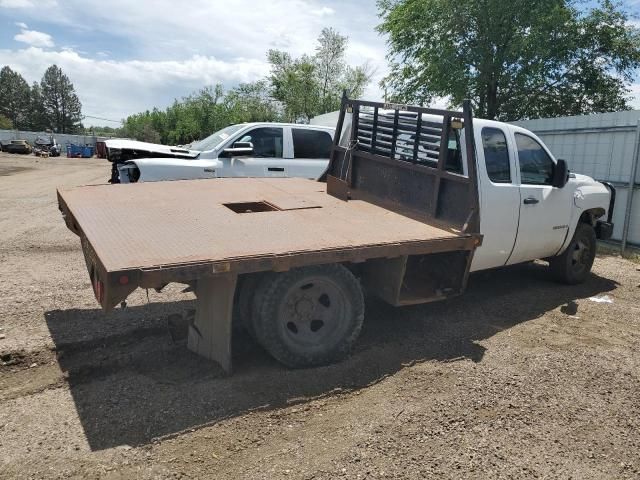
{"x": 496, "y": 155}
{"x": 536, "y": 166}
{"x": 267, "y": 142}
{"x": 311, "y": 143}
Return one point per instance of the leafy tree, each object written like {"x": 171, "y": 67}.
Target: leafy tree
{"x": 330, "y": 64}
{"x": 149, "y": 134}
{"x": 36, "y": 114}
{"x": 517, "y": 59}
{"x": 251, "y": 102}
{"x": 311, "y": 85}
{"x": 61, "y": 104}
{"x": 14, "y": 97}
{"x": 102, "y": 131}
{"x": 5, "y": 123}
{"x": 295, "y": 84}
{"x": 202, "y": 113}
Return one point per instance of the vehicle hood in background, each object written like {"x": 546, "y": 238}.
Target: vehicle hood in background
{"x": 145, "y": 150}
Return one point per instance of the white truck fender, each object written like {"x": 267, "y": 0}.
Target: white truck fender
{"x": 589, "y": 195}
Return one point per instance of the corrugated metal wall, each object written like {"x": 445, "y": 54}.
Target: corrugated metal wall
{"x": 602, "y": 146}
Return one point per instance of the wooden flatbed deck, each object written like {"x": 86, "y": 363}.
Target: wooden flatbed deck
{"x": 166, "y": 224}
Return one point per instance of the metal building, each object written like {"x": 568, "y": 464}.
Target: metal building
{"x": 606, "y": 147}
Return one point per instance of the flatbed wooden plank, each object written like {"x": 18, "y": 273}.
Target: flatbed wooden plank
{"x": 146, "y": 225}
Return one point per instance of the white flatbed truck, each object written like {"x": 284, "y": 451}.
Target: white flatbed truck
{"x": 413, "y": 200}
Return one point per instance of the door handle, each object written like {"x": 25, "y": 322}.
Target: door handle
{"x": 276, "y": 169}
{"x": 530, "y": 201}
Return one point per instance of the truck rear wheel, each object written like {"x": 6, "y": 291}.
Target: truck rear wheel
{"x": 574, "y": 264}
{"x": 309, "y": 316}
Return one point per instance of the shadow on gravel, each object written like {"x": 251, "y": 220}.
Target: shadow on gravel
{"x": 134, "y": 386}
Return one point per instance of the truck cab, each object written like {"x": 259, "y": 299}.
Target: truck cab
{"x": 530, "y": 205}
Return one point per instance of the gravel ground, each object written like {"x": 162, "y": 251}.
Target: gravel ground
{"x": 518, "y": 378}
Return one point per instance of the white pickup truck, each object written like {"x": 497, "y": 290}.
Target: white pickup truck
{"x": 531, "y": 209}
{"x": 242, "y": 150}
{"x": 414, "y": 199}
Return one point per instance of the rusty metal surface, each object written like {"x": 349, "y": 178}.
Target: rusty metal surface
{"x": 146, "y": 225}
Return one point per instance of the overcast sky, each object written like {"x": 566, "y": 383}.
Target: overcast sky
{"x": 125, "y": 56}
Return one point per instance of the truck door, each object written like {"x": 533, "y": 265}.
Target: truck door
{"x": 499, "y": 198}
{"x": 544, "y": 210}
{"x": 311, "y": 150}
{"x": 266, "y": 160}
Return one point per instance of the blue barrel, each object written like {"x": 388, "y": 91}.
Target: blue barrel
{"x": 87, "y": 152}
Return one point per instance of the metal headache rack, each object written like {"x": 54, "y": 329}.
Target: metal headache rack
{"x": 416, "y": 141}
{"x": 408, "y": 159}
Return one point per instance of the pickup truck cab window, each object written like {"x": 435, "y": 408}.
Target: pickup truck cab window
{"x": 496, "y": 155}
{"x": 267, "y": 142}
{"x": 311, "y": 143}
{"x": 536, "y": 166}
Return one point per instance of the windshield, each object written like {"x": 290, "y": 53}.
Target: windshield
{"x": 212, "y": 141}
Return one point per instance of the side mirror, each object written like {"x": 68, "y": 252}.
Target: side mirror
{"x": 560, "y": 174}
{"x": 239, "y": 149}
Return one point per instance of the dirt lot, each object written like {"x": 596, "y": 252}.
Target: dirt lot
{"x": 519, "y": 378}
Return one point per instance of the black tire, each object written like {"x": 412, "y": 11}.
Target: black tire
{"x": 574, "y": 264}
{"x": 308, "y": 316}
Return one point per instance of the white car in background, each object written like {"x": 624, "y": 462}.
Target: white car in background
{"x": 243, "y": 150}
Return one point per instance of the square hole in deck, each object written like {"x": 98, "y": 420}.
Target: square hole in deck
{"x": 251, "y": 207}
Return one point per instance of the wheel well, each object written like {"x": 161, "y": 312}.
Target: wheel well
{"x": 590, "y": 216}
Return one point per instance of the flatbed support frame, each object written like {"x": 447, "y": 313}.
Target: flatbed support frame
{"x": 210, "y": 333}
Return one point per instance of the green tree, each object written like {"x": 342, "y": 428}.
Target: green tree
{"x": 62, "y": 106}
{"x": 36, "y": 114}
{"x": 330, "y": 64}
{"x": 14, "y": 97}
{"x": 5, "y": 123}
{"x": 295, "y": 84}
{"x": 517, "y": 59}
{"x": 311, "y": 85}
{"x": 251, "y": 102}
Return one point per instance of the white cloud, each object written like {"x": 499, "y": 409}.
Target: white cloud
{"x": 321, "y": 12}
{"x": 114, "y": 90}
{"x": 22, "y": 25}
{"x": 27, "y": 3}
{"x": 16, "y": 4}
{"x": 34, "y": 38}
{"x": 178, "y": 49}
